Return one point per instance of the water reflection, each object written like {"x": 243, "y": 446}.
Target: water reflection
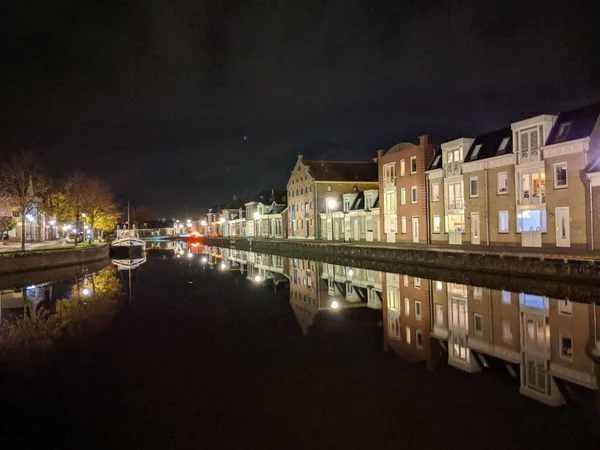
{"x": 548, "y": 346}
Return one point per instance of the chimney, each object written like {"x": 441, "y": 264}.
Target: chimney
{"x": 379, "y": 154}
{"x": 423, "y": 140}
{"x": 300, "y": 157}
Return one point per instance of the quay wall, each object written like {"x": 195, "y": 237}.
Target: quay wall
{"x": 52, "y": 259}
{"x": 543, "y": 268}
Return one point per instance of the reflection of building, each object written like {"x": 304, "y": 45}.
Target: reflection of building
{"x": 329, "y": 288}
{"x": 406, "y": 316}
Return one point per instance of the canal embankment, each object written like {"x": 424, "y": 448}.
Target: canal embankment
{"x": 16, "y": 262}
{"x": 539, "y": 264}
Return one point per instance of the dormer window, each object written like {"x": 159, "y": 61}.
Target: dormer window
{"x": 563, "y": 131}
{"x": 368, "y": 201}
{"x": 454, "y": 156}
{"x": 503, "y": 144}
{"x": 436, "y": 160}
{"x": 346, "y": 204}
{"x": 475, "y": 152}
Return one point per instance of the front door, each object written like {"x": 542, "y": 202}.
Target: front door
{"x": 563, "y": 227}
{"x": 475, "y": 229}
{"x": 369, "y": 228}
{"x": 415, "y": 229}
{"x": 356, "y": 230}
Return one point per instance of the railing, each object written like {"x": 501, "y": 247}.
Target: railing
{"x": 457, "y": 203}
{"x": 531, "y": 198}
{"x": 389, "y": 183}
{"x": 453, "y": 169}
{"x": 530, "y": 155}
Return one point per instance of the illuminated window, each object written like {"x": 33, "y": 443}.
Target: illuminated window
{"x": 417, "y": 282}
{"x": 565, "y": 307}
{"x": 439, "y": 314}
{"x": 506, "y": 297}
{"x": 405, "y": 280}
{"x": 438, "y": 285}
{"x": 406, "y": 307}
{"x": 402, "y": 168}
{"x": 408, "y": 340}
{"x": 328, "y": 188}
{"x": 436, "y": 225}
{"x": 502, "y": 180}
{"x": 393, "y": 299}
{"x": 477, "y": 292}
{"x": 435, "y": 192}
{"x": 403, "y": 225}
{"x": 506, "y": 332}
{"x": 502, "y": 221}
{"x": 403, "y": 196}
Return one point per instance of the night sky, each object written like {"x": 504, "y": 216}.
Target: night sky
{"x": 158, "y": 96}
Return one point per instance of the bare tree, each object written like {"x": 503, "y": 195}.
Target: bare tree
{"x": 74, "y": 199}
{"x": 17, "y": 180}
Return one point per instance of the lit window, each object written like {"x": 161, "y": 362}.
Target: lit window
{"x": 435, "y": 192}
{"x": 403, "y": 196}
{"x": 405, "y": 280}
{"x": 413, "y": 194}
{"x": 413, "y": 164}
{"x": 560, "y": 175}
{"x": 502, "y": 221}
{"x": 417, "y": 310}
{"x": 477, "y": 292}
{"x": 438, "y": 285}
{"x": 408, "y": 335}
{"x": 478, "y": 322}
{"x": 436, "y": 224}
{"x": 328, "y": 188}
{"x": 502, "y": 183}
{"x": 394, "y": 299}
{"x": 402, "y": 168}
{"x": 474, "y": 187}
{"x": 403, "y": 225}
{"x": 506, "y": 332}
{"x": 506, "y": 297}
{"x": 565, "y": 307}
{"x": 439, "y": 314}
{"x": 417, "y": 282}
{"x": 406, "y": 307}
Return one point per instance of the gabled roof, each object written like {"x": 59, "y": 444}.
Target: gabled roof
{"x": 342, "y": 170}
{"x": 359, "y": 202}
{"x": 575, "y": 124}
{"x": 491, "y": 144}
{"x": 235, "y": 203}
{"x": 276, "y": 208}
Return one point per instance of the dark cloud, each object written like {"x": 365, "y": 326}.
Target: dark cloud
{"x": 157, "y": 96}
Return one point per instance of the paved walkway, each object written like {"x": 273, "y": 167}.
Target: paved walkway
{"x": 535, "y": 252}
{"x": 16, "y": 246}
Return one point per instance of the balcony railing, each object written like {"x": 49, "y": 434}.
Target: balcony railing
{"x": 389, "y": 183}
{"x": 531, "y": 198}
{"x": 530, "y": 155}
{"x": 453, "y": 169}
{"x": 456, "y": 203}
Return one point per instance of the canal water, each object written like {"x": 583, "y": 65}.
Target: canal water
{"x": 204, "y": 347}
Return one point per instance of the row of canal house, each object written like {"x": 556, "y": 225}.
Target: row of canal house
{"x": 532, "y": 184}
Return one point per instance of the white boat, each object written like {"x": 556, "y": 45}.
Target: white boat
{"x": 129, "y": 238}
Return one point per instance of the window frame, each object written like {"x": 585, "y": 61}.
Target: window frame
{"x": 562, "y": 186}
{"x": 418, "y": 310}
{"x": 402, "y": 168}
{"x": 417, "y": 282}
{"x": 476, "y": 180}
{"x": 416, "y": 195}
{"x": 413, "y": 158}
{"x": 498, "y": 190}
{"x": 419, "y": 337}
{"x": 403, "y": 196}
{"x": 406, "y": 307}
{"x": 435, "y": 187}
{"x": 475, "y": 328}
{"x": 500, "y": 229}
{"x": 439, "y": 225}
{"x": 403, "y": 226}
{"x": 562, "y": 336}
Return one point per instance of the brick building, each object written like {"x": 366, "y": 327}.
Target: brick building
{"x": 313, "y": 183}
{"x": 403, "y": 191}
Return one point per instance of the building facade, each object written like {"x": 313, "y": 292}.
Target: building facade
{"x": 312, "y": 183}
{"x": 403, "y": 191}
